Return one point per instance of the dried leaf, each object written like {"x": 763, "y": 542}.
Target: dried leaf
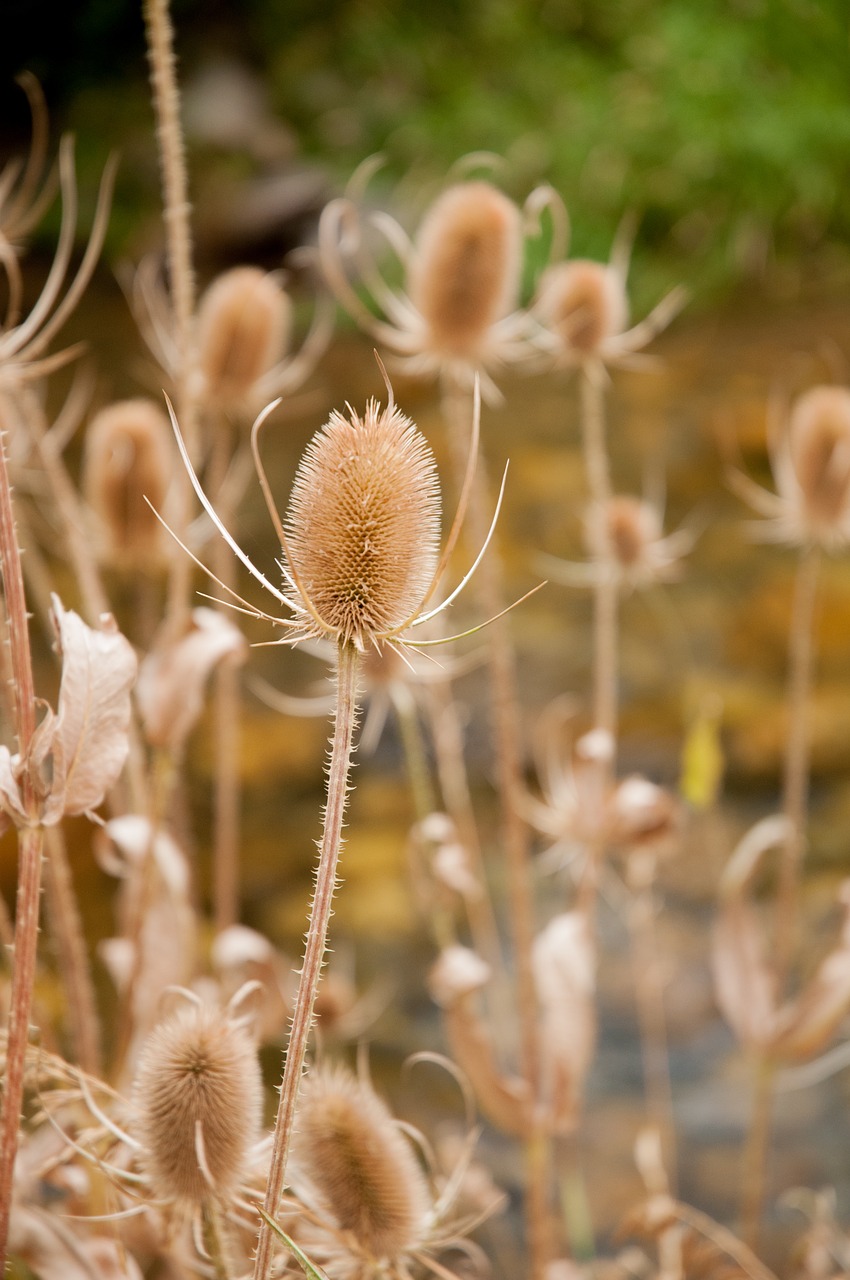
{"x": 564, "y": 974}
{"x": 744, "y": 984}
{"x": 170, "y": 690}
{"x": 89, "y": 739}
{"x": 806, "y": 1025}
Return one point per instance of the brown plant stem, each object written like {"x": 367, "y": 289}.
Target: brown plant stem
{"x": 754, "y": 1158}
{"x": 227, "y": 709}
{"x": 605, "y": 598}
{"x": 649, "y": 995}
{"x": 181, "y": 277}
{"x": 66, "y": 927}
{"x": 508, "y": 737}
{"x": 796, "y": 763}
{"x": 345, "y": 720}
{"x": 30, "y": 848}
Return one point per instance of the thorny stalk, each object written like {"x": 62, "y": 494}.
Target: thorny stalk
{"x": 508, "y": 739}
{"x": 30, "y": 849}
{"x": 345, "y": 720}
{"x": 181, "y": 278}
{"x": 228, "y": 712}
{"x": 605, "y": 599}
{"x": 796, "y": 764}
{"x": 794, "y": 807}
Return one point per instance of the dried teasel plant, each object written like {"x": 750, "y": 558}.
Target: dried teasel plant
{"x": 365, "y": 1206}
{"x": 185, "y": 1149}
{"x": 126, "y": 471}
{"x": 459, "y": 314}
{"x": 361, "y": 564}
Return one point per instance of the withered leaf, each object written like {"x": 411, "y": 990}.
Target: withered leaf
{"x": 89, "y": 742}
{"x": 171, "y": 684}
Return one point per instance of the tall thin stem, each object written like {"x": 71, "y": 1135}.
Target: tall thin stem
{"x": 31, "y": 840}
{"x": 508, "y": 739}
{"x": 796, "y": 765}
{"x": 181, "y": 278}
{"x": 605, "y": 599}
{"x": 345, "y": 720}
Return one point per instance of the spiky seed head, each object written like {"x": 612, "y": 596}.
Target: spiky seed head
{"x": 631, "y": 526}
{"x": 128, "y": 458}
{"x": 363, "y": 1169}
{"x": 244, "y": 323}
{"x": 363, "y": 522}
{"x": 583, "y": 303}
{"x": 819, "y": 444}
{"x": 198, "y": 1074}
{"x": 465, "y": 274}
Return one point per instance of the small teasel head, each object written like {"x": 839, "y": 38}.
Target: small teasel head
{"x": 127, "y": 472}
{"x": 198, "y": 1102}
{"x": 363, "y": 523}
{"x": 358, "y": 1163}
{"x": 465, "y": 273}
{"x": 583, "y": 303}
{"x": 819, "y": 451}
{"x": 244, "y": 327}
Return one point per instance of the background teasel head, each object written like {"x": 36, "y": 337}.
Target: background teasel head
{"x": 129, "y": 458}
{"x": 359, "y": 1166}
{"x": 244, "y": 328}
{"x": 810, "y": 459}
{"x": 198, "y": 1099}
{"x": 459, "y": 314}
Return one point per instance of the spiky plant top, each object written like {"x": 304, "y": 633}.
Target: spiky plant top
{"x": 363, "y": 523}
{"x": 198, "y": 1096}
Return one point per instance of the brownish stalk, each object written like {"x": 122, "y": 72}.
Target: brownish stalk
{"x": 605, "y": 599}
{"x": 30, "y": 848}
{"x": 63, "y": 913}
{"x": 508, "y": 738}
{"x": 796, "y": 764}
{"x": 649, "y": 994}
{"x": 228, "y": 711}
{"x": 794, "y": 808}
{"x": 181, "y": 278}
{"x": 345, "y": 720}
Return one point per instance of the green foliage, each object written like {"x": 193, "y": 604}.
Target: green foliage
{"x": 724, "y": 123}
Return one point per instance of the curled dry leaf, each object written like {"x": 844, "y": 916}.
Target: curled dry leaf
{"x": 564, "y": 974}
{"x": 806, "y": 1025}
{"x": 171, "y": 684}
{"x": 77, "y": 753}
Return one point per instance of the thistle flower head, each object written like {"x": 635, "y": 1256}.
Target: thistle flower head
{"x": 361, "y": 1167}
{"x": 128, "y": 459}
{"x": 198, "y": 1098}
{"x": 244, "y": 326}
{"x": 584, "y": 303}
{"x": 810, "y": 458}
{"x": 819, "y": 447}
{"x": 459, "y": 313}
{"x": 363, "y": 523}
{"x": 465, "y": 272}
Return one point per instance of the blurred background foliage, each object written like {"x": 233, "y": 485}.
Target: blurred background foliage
{"x": 725, "y": 124}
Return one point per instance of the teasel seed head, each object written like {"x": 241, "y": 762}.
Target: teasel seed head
{"x": 583, "y": 303}
{"x": 466, "y": 272}
{"x": 362, "y": 1168}
{"x": 128, "y": 459}
{"x": 244, "y": 324}
{"x": 819, "y": 446}
{"x": 363, "y": 523}
{"x": 198, "y": 1098}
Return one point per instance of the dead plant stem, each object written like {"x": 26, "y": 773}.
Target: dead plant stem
{"x": 508, "y": 738}
{"x": 69, "y": 939}
{"x": 796, "y": 764}
{"x": 605, "y": 599}
{"x": 181, "y": 278}
{"x": 345, "y": 720}
{"x": 30, "y": 850}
